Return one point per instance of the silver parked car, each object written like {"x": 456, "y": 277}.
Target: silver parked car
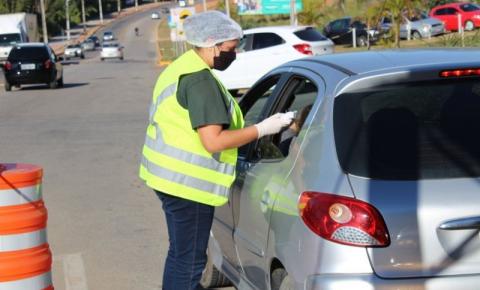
{"x": 421, "y": 26}
{"x": 376, "y": 185}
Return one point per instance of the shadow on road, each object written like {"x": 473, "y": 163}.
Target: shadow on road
{"x": 44, "y": 87}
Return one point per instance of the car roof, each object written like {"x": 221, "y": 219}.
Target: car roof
{"x": 401, "y": 59}
{"x": 285, "y": 28}
{"x": 31, "y": 44}
{"x": 453, "y": 4}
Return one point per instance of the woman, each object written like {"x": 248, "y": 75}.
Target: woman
{"x": 191, "y": 143}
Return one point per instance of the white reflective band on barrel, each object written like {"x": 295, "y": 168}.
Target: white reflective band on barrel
{"x": 22, "y": 241}
{"x": 159, "y": 145}
{"x": 185, "y": 179}
{"x": 39, "y": 282}
{"x": 20, "y": 195}
{"x": 168, "y": 91}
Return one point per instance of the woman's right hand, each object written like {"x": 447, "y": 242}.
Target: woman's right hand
{"x": 274, "y": 123}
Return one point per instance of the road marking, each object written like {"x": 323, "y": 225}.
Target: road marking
{"x": 74, "y": 271}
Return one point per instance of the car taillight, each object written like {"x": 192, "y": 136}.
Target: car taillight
{"x": 48, "y": 64}
{"x": 460, "y": 73}
{"x": 343, "y": 219}
{"x": 8, "y": 65}
{"x": 304, "y": 48}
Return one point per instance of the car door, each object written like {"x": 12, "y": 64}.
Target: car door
{"x": 268, "y": 51}
{"x": 451, "y": 18}
{"x": 262, "y": 174}
{"x": 345, "y": 31}
{"x": 253, "y": 105}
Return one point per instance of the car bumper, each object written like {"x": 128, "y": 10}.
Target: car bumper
{"x": 30, "y": 77}
{"x": 373, "y": 282}
{"x": 111, "y": 55}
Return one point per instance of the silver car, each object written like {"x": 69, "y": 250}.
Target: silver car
{"x": 420, "y": 25}
{"x": 74, "y": 50}
{"x": 375, "y": 186}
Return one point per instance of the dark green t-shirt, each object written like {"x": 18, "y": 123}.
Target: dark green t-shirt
{"x": 201, "y": 95}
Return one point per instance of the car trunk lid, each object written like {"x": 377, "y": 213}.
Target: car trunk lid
{"x": 412, "y": 150}
{"x": 420, "y": 217}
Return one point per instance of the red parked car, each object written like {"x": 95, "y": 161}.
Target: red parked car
{"x": 448, "y": 14}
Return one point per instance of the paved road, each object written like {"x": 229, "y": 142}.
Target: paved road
{"x": 106, "y": 229}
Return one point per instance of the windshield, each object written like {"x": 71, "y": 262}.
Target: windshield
{"x": 410, "y": 131}
{"x": 9, "y": 39}
{"x": 28, "y": 53}
{"x": 469, "y": 7}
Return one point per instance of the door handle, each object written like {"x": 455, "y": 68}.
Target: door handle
{"x": 470, "y": 223}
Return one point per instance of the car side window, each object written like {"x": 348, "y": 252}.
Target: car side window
{"x": 451, "y": 11}
{"x": 440, "y": 11}
{"x": 264, "y": 40}
{"x": 254, "y": 103}
{"x": 299, "y": 96}
{"x": 245, "y": 44}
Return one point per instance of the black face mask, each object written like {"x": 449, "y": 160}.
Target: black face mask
{"x": 223, "y": 61}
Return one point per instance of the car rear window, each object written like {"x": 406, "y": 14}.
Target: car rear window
{"x": 410, "y": 131}
{"x": 28, "y": 53}
{"x": 309, "y": 34}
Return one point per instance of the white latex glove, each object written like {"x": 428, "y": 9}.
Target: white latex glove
{"x": 273, "y": 124}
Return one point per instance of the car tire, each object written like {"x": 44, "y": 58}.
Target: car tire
{"x": 281, "y": 280}
{"x": 211, "y": 277}
{"x": 53, "y": 84}
{"x": 362, "y": 41}
{"x": 82, "y": 56}
{"x": 416, "y": 35}
{"x": 60, "y": 82}
{"x": 102, "y": 59}
{"x": 8, "y": 86}
{"x": 469, "y": 26}
{"x": 121, "y": 58}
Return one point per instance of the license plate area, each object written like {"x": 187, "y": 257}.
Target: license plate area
{"x": 27, "y": 66}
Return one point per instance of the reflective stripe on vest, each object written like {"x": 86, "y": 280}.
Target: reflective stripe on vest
{"x": 174, "y": 161}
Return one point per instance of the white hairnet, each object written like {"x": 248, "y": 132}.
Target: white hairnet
{"x": 209, "y": 28}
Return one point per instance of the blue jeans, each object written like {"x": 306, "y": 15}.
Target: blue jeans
{"x": 189, "y": 225}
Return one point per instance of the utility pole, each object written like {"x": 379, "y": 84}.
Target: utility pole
{"x": 44, "y": 21}
{"x": 204, "y": 5}
{"x": 67, "y": 14}
{"x": 293, "y": 13}
{"x": 136, "y": 5}
{"x": 227, "y": 7}
{"x": 83, "y": 17}
{"x": 118, "y": 6}
{"x": 100, "y": 11}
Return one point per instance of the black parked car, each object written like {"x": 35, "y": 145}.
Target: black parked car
{"x": 340, "y": 32}
{"x": 32, "y": 63}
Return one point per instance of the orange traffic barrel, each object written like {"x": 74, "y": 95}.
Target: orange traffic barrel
{"x": 25, "y": 257}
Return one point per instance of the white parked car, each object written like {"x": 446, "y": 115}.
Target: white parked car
{"x": 74, "y": 50}
{"x": 111, "y": 50}
{"x": 264, "y": 48}
{"x": 155, "y": 15}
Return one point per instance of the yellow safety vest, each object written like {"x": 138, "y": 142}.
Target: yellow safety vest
{"x": 174, "y": 160}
